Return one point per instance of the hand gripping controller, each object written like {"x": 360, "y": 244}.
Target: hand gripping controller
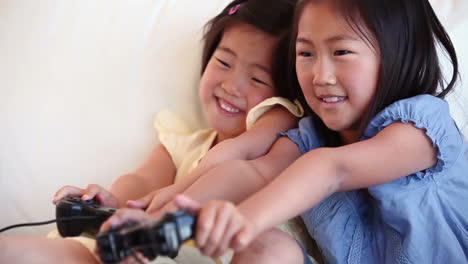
{"x": 94, "y": 215}
{"x": 162, "y": 237}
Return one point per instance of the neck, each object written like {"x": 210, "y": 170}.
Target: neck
{"x": 350, "y": 136}
{"x": 220, "y": 137}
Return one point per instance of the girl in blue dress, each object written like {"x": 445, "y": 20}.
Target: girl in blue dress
{"x": 379, "y": 170}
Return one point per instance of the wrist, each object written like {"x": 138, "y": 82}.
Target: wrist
{"x": 253, "y": 219}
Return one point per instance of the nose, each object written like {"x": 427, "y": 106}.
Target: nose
{"x": 323, "y": 73}
{"x": 235, "y": 84}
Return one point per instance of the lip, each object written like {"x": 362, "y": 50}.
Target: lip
{"x": 225, "y": 112}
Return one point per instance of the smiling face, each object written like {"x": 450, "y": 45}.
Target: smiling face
{"x": 337, "y": 70}
{"x": 237, "y": 77}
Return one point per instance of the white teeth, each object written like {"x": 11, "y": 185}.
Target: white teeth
{"x": 228, "y": 108}
{"x": 333, "y": 99}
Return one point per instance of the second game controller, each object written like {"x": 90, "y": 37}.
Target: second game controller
{"x": 162, "y": 237}
{"x": 93, "y": 215}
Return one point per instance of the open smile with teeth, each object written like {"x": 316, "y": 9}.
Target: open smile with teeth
{"x": 228, "y": 108}
{"x": 333, "y": 99}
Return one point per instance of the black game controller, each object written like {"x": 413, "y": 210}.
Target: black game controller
{"x": 93, "y": 215}
{"x": 162, "y": 237}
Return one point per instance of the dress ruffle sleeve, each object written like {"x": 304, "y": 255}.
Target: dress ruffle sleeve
{"x": 431, "y": 114}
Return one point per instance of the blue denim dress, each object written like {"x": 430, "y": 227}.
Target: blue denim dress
{"x": 420, "y": 218}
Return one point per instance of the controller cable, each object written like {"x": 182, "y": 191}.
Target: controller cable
{"x": 133, "y": 253}
{"x": 60, "y": 219}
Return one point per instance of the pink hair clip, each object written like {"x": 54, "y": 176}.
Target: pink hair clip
{"x": 234, "y": 9}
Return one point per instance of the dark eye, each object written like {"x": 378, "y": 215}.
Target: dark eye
{"x": 305, "y": 54}
{"x": 341, "y": 52}
{"x": 259, "y": 81}
{"x": 223, "y": 63}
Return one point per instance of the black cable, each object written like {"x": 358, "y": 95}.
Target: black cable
{"x": 49, "y": 222}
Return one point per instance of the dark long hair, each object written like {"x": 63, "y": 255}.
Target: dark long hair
{"x": 408, "y": 33}
{"x": 274, "y": 17}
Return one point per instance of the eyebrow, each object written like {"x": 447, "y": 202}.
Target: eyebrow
{"x": 259, "y": 66}
{"x": 303, "y": 40}
{"x": 331, "y": 39}
{"x": 226, "y": 49}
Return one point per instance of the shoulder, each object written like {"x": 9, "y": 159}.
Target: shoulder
{"x": 306, "y": 135}
{"x": 294, "y": 108}
{"x": 167, "y": 122}
{"x": 178, "y": 137}
{"x": 431, "y": 117}
{"x": 423, "y": 110}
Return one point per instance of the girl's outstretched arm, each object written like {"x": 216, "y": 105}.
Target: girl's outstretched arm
{"x": 250, "y": 145}
{"x": 156, "y": 172}
{"x": 398, "y": 150}
{"x": 235, "y": 180}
